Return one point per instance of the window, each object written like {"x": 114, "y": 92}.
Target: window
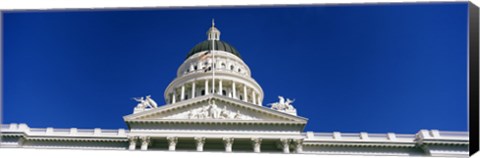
{"x": 231, "y": 67}
{"x": 203, "y": 92}
{"x": 241, "y": 97}
{"x": 224, "y": 92}
{"x": 195, "y": 67}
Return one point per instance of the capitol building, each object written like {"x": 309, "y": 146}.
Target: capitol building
{"x": 215, "y": 105}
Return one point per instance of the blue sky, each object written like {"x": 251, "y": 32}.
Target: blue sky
{"x": 351, "y": 68}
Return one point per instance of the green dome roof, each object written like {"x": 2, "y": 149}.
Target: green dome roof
{"x": 207, "y": 45}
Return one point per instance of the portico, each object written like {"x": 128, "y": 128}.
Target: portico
{"x": 225, "y": 144}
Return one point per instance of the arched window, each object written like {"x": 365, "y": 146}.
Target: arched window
{"x": 203, "y": 92}
{"x": 195, "y": 67}
{"x": 224, "y": 92}
{"x": 241, "y": 97}
{"x": 231, "y": 67}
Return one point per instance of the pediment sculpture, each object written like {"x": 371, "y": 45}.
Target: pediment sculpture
{"x": 212, "y": 111}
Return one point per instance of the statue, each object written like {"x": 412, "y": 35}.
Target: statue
{"x": 282, "y": 105}
{"x": 237, "y": 115}
{"x": 224, "y": 113}
{"x": 278, "y": 105}
{"x": 141, "y": 102}
{"x": 288, "y": 103}
{"x": 214, "y": 110}
{"x": 281, "y": 100}
{"x": 204, "y": 112}
{"x": 191, "y": 115}
{"x": 147, "y": 102}
{"x": 151, "y": 101}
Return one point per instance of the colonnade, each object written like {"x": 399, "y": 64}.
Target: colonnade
{"x": 227, "y": 88}
{"x": 285, "y": 143}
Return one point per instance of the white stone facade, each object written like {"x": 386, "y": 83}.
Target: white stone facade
{"x": 215, "y": 105}
{"x": 423, "y": 143}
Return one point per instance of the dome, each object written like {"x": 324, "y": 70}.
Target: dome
{"x": 219, "y": 45}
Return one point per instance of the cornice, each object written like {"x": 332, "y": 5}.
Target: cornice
{"x": 225, "y": 122}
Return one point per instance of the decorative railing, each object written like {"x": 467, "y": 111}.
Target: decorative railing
{"x": 445, "y": 135}
{"x": 363, "y": 136}
{"x": 388, "y": 137}
{"x": 309, "y": 136}
{"x": 453, "y": 134}
{"x": 23, "y": 128}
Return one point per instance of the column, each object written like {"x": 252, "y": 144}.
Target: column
{"x": 213, "y": 86}
{"x": 220, "y": 87}
{"x": 174, "y": 96}
{"x": 285, "y": 143}
{"x": 193, "y": 89}
{"x": 259, "y": 102}
{"x": 228, "y": 142}
{"x": 145, "y": 142}
{"x": 245, "y": 93}
{"x": 132, "y": 143}
{"x": 253, "y": 97}
{"x": 206, "y": 87}
{"x": 298, "y": 145}
{"x": 200, "y": 141}
{"x": 172, "y": 142}
{"x": 234, "y": 93}
{"x": 256, "y": 142}
{"x": 182, "y": 94}
{"x": 21, "y": 142}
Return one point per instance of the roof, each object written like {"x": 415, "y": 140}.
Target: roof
{"x": 219, "y": 45}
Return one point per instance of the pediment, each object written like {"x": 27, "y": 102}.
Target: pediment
{"x": 213, "y": 108}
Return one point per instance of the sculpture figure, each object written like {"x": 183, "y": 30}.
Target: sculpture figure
{"x": 142, "y": 103}
{"x": 145, "y": 102}
{"x": 288, "y": 104}
{"x": 281, "y": 100}
{"x": 214, "y": 110}
{"x": 204, "y": 112}
{"x": 224, "y": 113}
{"x": 282, "y": 105}
{"x": 237, "y": 115}
{"x": 151, "y": 102}
{"x": 191, "y": 115}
